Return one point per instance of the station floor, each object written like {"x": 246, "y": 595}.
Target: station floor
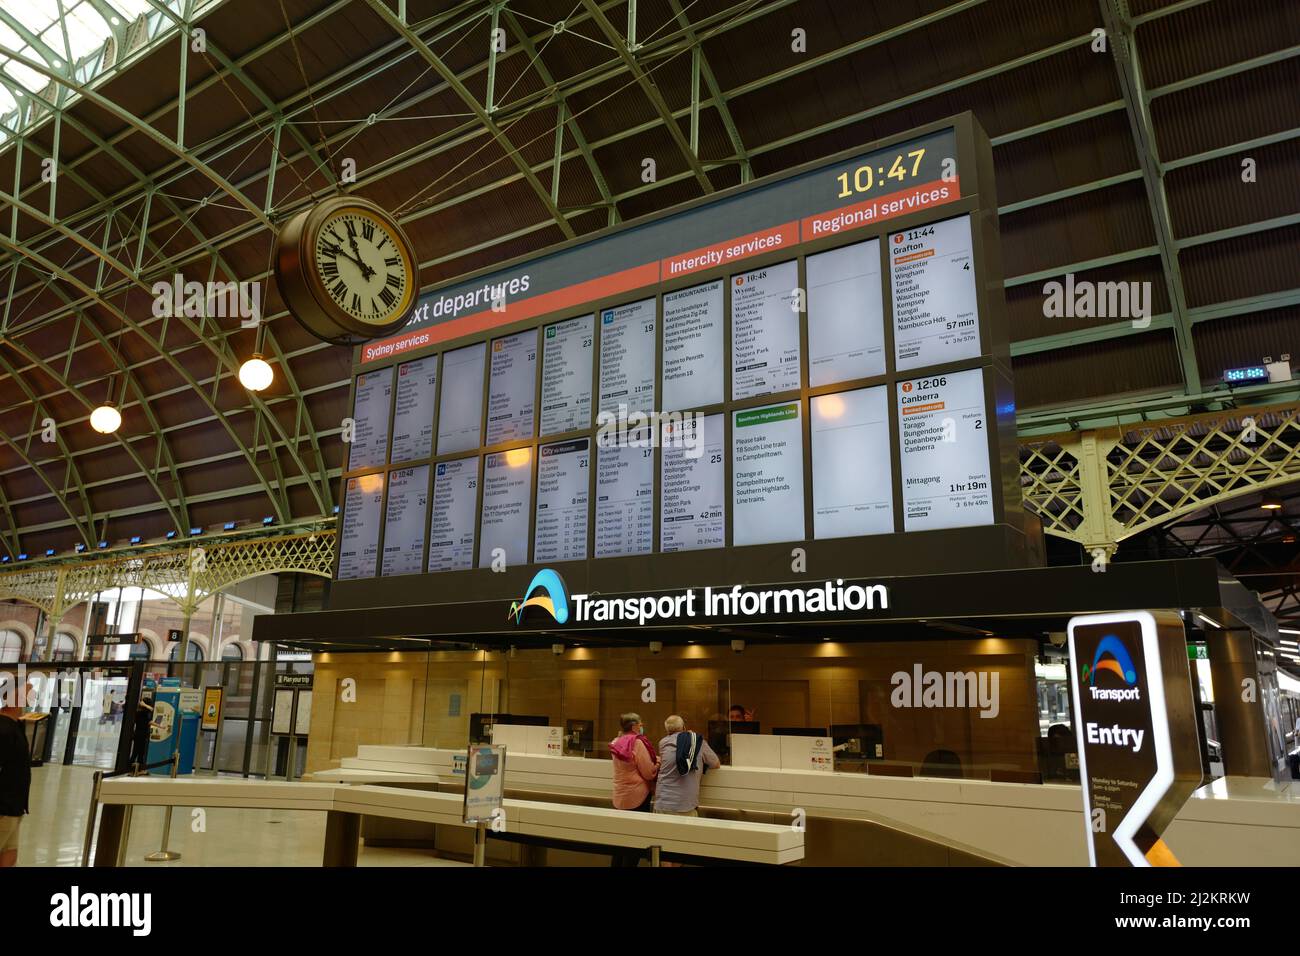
{"x": 53, "y": 833}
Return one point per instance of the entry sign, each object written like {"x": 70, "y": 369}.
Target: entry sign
{"x": 485, "y": 775}
{"x": 1135, "y": 719}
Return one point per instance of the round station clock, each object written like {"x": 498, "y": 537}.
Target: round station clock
{"x": 346, "y": 270}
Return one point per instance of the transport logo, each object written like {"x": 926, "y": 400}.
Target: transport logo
{"x": 1111, "y": 656}
{"x": 546, "y": 591}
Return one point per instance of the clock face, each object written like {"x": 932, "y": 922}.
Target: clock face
{"x": 363, "y": 266}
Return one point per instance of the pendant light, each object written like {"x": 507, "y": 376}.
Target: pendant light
{"x": 256, "y": 374}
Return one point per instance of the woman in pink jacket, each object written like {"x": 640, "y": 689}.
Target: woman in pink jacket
{"x": 636, "y": 766}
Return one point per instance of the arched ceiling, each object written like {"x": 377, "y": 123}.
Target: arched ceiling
{"x": 179, "y": 152}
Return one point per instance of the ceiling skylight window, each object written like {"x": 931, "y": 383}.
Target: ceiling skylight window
{"x": 68, "y": 37}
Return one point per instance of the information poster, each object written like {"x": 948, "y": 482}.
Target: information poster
{"x": 846, "y": 314}
{"x": 507, "y": 494}
{"x": 417, "y": 384}
{"x": 852, "y": 485}
{"x": 765, "y": 331}
{"x": 932, "y": 273}
{"x": 767, "y": 475}
{"x": 625, "y": 488}
{"x": 947, "y": 482}
{"x": 693, "y": 347}
{"x": 627, "y": 357}
{"x": 405, "y": 519}
{"x": 363, "y": 504}
{"x": 369, "y": 446}
{"x": 460, "y": 409}
{"x": 566, "y": 375}
{"x": 563, "y": 474}
{"x": 512, "y": 385}
{"x": 451, "y": 520}
{"x": 692, "y": 479}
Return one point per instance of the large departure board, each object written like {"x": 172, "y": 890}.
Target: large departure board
{"x": 453, "y": 515}
{"x": 814, "y": 357}
{"x": 507, "y": 492}
{"x": 417, "y": 384}
{"x": 625, "y": 483}
{"x": 460, "y": 409}
{"x": 371, "y": 398}
{"x": 512, "y": 384}
{"x": 566, "y": 375}
{"x": 404, "y": 520}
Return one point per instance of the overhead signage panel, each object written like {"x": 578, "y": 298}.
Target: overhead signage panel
{"x": 838, "y": 197}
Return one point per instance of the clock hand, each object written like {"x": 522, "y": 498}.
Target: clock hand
{"x": 366, "y": 271}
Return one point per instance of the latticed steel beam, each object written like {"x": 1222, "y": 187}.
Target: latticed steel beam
{"x": 1099, "y": 487}
{"x": 188, "y": 573}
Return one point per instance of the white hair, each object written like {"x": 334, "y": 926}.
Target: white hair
{"x": 674, "y": 724}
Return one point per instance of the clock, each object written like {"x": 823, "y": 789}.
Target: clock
{"x": 346, "y": 270}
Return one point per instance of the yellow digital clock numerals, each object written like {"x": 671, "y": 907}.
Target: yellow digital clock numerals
{"x": 865, "y": 178}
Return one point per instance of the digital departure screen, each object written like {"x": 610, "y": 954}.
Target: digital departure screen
{"x": 460, "y": 417}
{"x": 405, "y": 517}
{"x": 566, "y": 374}
{"x": 563, "y": 470}
{"x": 372, "y": 395}
{"x": 767, "y": 474}
{"x": 512, "y": 384}
{"x": 799, "y": 359}
{"x": 453, "y": 515}
{"x": 417, "y": 384}
{"x": 507, "y": 493}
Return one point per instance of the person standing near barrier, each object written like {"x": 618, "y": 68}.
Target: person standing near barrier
{"x": 15, "y": 769}
{"x": 684, "y": 759}
{"x": 636, "y": 765}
